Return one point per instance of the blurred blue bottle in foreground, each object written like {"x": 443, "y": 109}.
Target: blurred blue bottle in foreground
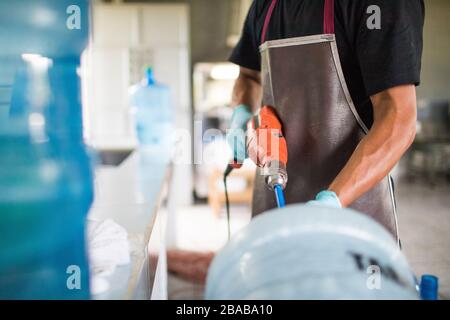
{"x": 45, "y": 172}
{"x": 153, "y": 111}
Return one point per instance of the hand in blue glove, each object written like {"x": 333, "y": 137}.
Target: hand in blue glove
{"x": 326, "y": 199}
{"x": 236, "y": 132}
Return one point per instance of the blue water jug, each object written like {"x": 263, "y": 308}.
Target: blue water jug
{"x": 45, "y": 172}
{"x": 153, "y": 111}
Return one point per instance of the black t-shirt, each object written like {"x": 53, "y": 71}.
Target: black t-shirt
{"x": 372, "y": 60}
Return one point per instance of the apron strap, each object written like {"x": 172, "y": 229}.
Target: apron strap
{"x": 267, "y": 21}
{"x": 328, "y": 18}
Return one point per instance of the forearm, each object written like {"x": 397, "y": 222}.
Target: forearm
{"x": 390, "y": 136}
{"x": 247, "y": 89}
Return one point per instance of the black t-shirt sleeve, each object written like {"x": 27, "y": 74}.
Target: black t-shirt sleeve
{"x": 246, "y": 52}
{"x": 391, "y": 55}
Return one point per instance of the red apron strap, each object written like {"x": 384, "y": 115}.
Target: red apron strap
{"x": 328, "y": 17}
{"x": 267, "y": 21}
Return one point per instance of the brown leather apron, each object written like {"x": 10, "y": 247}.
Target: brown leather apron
{"x": 303, "y": 79}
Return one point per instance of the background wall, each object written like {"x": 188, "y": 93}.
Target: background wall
{"x": 125, "y": 39}
{"x": 209, "y": 29}
{"x": 212, "y": 23}
{"x": 436, "y": 55}
{"x": 213, "y": 20}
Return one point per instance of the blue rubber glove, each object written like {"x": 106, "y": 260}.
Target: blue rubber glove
{"x": 236, "y": 132}
{"x": 326, "y": 199}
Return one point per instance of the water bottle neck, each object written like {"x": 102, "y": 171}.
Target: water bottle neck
{"x": 150, "y": 79}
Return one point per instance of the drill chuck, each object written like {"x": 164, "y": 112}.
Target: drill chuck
{"x": 275, "y": 173}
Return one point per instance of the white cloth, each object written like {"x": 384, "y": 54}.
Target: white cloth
{"x": 108, "y": 248}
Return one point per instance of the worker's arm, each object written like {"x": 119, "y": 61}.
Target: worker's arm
{"x": 392, "y": 133}
{"x": 247, "y": 89}
{"x": 246, "y": 99}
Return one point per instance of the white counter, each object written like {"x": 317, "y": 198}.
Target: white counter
{"x": 133, "y": 194}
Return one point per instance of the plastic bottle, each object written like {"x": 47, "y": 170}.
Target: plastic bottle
{"x": 306, "y": 252}
{"x": 45, "y": 172}
{"x": 429, "y": 286}
{"x": 153, "y": 111}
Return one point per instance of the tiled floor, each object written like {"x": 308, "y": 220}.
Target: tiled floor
{"x": 424, "y": 221}
{"x": 199, "y": 230}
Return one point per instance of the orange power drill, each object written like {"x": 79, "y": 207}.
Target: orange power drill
{"x": 267, "y": 147}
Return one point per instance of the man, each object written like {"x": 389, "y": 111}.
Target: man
{"x": 341, "y": 75}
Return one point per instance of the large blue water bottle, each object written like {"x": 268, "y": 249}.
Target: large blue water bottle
{"x": 45, "y": 172}
{"x": 153, "y": 111}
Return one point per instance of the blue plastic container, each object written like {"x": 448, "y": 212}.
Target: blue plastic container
{"x": 153, "y": 111}
{"x": 429, "y": 287}
{"x": 45, "y": 172}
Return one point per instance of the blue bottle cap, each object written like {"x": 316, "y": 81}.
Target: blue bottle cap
{"x": 429, "y": 287}
{"x": 150, "y": 76}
